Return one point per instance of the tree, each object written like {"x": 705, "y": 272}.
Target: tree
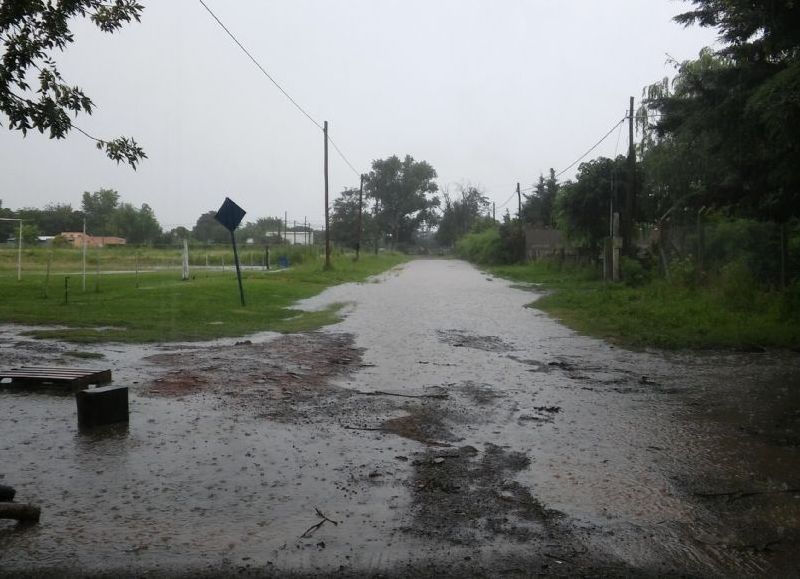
{"x": 403, "y": 192}
{"x": 137, "y": 226}
{"x": 98, "y": 208}
{"x": 30, "y": 32}
{"x": 208, "y": 229}
{"x": 538, "y": 207}
{"x": 344, "y": 220}
{"x": 30, "y": 233}
{"x": 6, "y": 227}
{"x": 582, "y": 207}
{"x": 461, "y": 215}
{"x": 739, "y": 107}
{"x": 54, "y": 218}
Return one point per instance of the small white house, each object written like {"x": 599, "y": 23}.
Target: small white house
{"x": 294, "y": 237}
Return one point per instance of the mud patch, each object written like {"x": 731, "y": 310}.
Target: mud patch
{"x": 270, "y": 380}
{"x": 463, "y": 339}
{"x": 177, "y": 383}
{"x": 466, "y": 497}
{"x": 424, "y": 424}
{"x": 481, "y": 394}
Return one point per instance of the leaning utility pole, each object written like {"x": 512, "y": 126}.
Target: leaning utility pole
{"x": 327, "y": 222}
{"x": 360, "y": 204}
{"x": 519, "y": 203}
{"x": 630, "y": 192}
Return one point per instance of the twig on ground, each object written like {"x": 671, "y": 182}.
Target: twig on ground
{"x": 310, "y": 531}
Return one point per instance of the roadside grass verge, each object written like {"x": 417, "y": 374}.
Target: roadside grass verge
{"x": 164, "y": 309}
{"x": 659, "y": 314}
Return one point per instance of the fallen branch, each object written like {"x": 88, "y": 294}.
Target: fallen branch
{"x": 310, "y": 531}
{"x": 20, "y": 512}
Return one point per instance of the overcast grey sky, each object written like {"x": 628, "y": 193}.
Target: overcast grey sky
{"x": 490, "y": 92}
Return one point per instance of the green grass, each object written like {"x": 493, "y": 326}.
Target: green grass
{"x": 165, "y": 309}
{"x": 658, "y": 314}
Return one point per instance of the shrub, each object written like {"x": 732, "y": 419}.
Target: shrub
{"x": 634, "y": 273}
{"x": 738, "y": 286}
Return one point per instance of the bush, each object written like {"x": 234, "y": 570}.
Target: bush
{"x": 738, "y": 286}
{"x": 684, "y": 273}
{"x": 790, "y": 303}
{"x": 484, "y": 247}
{"x": 634, "y": 274}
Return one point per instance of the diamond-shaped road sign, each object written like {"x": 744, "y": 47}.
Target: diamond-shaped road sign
{"x": 230, "y": 215}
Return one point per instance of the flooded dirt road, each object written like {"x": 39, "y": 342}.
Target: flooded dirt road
{"x": 441, "y": 429}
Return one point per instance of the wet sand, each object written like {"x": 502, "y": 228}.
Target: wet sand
{"x": 446, "y": 428}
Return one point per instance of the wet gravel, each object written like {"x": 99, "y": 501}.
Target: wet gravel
{"x": 446, "y": 428}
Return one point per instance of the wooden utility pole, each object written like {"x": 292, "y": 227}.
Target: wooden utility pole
{"x": 360, "y": 208}
{"x": 519, "y": 203}
{"x": 630, "y": 192}
{"x": 285, "y": 227}
{"x": 327, "y": 221}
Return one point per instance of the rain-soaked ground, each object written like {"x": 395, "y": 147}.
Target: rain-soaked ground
{"x": 441, "y": 429}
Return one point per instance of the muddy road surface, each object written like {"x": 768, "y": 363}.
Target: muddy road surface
{"x": 442, "y": 429}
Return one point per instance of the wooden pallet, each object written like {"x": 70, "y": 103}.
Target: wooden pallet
{"x": 41, "y": 376}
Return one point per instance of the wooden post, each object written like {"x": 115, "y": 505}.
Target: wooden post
{"x": 377, "y": 231}
{"x": 784, "y": 251}
{"x": 327, "y": 222}
{"x": 630, "y": 193}
{"x": 19, "y": 253}
{"x": 615, "y": 247}
{"x": 47, "y": 275}
{"x": 701, "y": 242}
{"x": 238, "y": 271}
{"x": 84, "y": 254}
{"x": 360, "y": 204}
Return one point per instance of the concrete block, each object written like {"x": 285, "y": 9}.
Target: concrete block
{"x": 100, "y": 406}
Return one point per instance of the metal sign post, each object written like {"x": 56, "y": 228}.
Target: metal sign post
{"x": 230, "y": 216}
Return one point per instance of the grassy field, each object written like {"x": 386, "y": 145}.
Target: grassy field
{"x": 661, "y": 314}
{"x": 156, "y": 306}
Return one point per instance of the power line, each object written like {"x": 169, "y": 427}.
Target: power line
{"x": 279, "y": 87}
{"x": 507, "y": 201}
{"x": 579, "y": 159}
{"x": 338, "y": 150}
{"x": 261, "y": 68}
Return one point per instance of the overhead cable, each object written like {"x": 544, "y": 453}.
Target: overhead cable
{"x": 597, "y": 144}
{"x": 275, "y": 82}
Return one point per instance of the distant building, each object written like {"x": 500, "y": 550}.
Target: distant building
{"x": 293, "y": 237}
{"x": 76, "y": 238}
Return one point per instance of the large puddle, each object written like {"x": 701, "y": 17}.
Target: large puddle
{"x": 468, "y": 434}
